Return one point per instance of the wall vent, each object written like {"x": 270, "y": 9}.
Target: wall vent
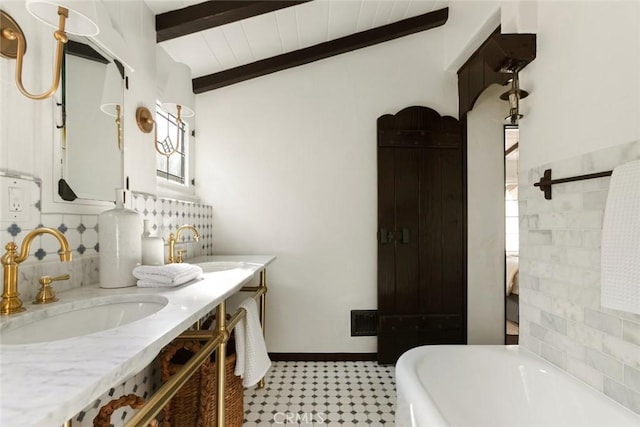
{"x": 364, "y": 323}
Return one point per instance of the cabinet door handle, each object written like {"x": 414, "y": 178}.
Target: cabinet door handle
{"x": 385, "y": 236}
{"x": 405, "y": 236}
{"x": 382, "y": 236}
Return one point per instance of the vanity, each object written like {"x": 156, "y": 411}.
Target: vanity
{"x": 46, "y": 382}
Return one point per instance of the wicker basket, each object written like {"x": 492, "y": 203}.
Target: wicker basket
{"x": 195, "y": 403}
{"x": 103, "y": 419}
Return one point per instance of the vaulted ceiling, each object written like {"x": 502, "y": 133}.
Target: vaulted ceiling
{"x": 225, "y": 42}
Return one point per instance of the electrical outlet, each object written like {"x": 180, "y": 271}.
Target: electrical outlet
{"x": 16, "y": 199}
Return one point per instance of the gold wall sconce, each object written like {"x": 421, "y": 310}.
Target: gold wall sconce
{"x": 144, "y": 119}
{"x": 79, "y": 19}
{"x": 178, "y": 101}
{"x": 146, "y": 124}
{"x": 110, "y": 103}
{"x": 514, "y": 95}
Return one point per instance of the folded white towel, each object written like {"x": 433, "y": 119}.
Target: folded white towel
{"x": 252, "y": 359}
{"x": 149, "y": 284}
{"x": 166, "y": 275}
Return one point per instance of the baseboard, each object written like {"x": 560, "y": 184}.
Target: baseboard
{"x": 323, "y": 357}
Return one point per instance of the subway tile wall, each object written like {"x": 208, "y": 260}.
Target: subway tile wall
{"x": 560, "y": 312}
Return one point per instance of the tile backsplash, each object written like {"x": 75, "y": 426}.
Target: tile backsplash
{"x": 81, "y": 231}
{"x": 166, "y": 215}
{"x": 561, "y": 316}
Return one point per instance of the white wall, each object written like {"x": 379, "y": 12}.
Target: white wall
{"x": 288, "y": 162}
{"x": 25, "y": 124}
{"x": 584, "y": 82}
{"x": 519, "y": 16}
{"x": 486, "y": 232}
{"x": 469, "y": 25}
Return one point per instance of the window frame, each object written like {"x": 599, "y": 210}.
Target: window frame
{"x": 170, "y": 122}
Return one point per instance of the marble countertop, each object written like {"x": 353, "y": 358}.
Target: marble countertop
{"x": 45, "y": 384}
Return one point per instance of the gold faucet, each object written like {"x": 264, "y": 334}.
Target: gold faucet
{"x": 173, "y": 239}
{"x": 11, "y": 303}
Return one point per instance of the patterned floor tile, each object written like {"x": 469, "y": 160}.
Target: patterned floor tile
{"x": 323, "y": 393}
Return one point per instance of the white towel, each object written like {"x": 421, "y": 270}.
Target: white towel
{"x": 149, "y": 284}
{"x": 252, "y": 359}
{"x": 166, "y": 275}
{"x": 620, "y": 251}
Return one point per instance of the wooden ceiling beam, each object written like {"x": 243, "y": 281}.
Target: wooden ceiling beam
{"x": 321, "y": 51}
{"x": 202, "y": 16}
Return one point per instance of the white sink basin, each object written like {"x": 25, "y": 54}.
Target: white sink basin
{"x": 211, "y": 266}
{"x": 79, "y": 318}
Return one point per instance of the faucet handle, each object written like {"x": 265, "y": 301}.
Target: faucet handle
{"x": 46, "y": 294}
{"x": 179, "y": 257}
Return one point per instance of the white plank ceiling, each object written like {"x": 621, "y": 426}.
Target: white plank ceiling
{"x": 282, "y": 31}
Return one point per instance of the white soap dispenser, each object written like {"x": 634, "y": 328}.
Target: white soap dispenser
{"x": 152, "y": 246}
{"x": 119, "y": 231}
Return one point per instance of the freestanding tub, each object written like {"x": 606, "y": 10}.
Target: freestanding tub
{"x": 494, "y": 386}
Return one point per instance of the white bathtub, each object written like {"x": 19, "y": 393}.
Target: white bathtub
{"x": 493, "y": 386}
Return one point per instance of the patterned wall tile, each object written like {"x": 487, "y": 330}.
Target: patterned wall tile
{"x": 167, "y": 215}
{"x": 81, "y": 231}
{"x": 143, "y": 384}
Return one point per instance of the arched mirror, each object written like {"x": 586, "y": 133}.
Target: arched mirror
{"x": 91, "y": 110}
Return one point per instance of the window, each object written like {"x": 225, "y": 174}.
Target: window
{"x": 172, "y": 168}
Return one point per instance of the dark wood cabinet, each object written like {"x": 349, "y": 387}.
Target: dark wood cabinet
{"x": 421, "y": 232}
